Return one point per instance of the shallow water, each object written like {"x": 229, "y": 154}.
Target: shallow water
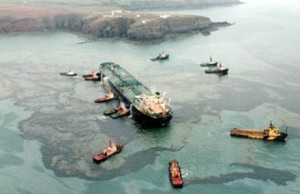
{"x": 50, "y": 125}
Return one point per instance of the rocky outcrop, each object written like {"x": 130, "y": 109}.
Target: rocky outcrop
{"x": 70, "y": 22}
{"x": 129, "y": 25}
{"x": 8, "y": 25}
{"x": 160, "y": 28}
{"x": 103, "y": 27}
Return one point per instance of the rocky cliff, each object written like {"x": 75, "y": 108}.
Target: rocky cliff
{"x": 158, "y": 28}
{"x": 124, "y": 24}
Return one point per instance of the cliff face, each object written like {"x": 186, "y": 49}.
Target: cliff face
{"x": 70, "y": 22}
{"x": 133, "y": 26}
{"x": 159, "y": 28}
{"x": 102, "y": 27}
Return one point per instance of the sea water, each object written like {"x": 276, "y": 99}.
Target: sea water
{"x": 51, "y": 127}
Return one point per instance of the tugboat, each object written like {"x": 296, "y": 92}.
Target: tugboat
{"x": 93, "y": 76}
{"x": 106, "y": 97}
{"x": 108, "y": 152}
{"x": 146, "y": 106}
{"x": 175, "y": 174}
{"x": 117, "y": 112}
{"x": 271, "y": 133}
{"x": 219, "y": 70}
{"x": 161, "y": 56}
{"x": 209, "y": 64}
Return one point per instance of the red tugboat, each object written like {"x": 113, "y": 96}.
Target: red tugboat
{"x": 111, "y": 150}
{"x": 105, "y": 98}
{"x": 175, "y": 174}
{"x": 117, "y": 112}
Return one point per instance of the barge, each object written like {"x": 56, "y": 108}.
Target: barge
{"x": 272, "y": 133}
{"x": 146, "y": 106}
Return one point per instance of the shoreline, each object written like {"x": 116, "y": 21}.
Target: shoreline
{"x": 124, "y": 24}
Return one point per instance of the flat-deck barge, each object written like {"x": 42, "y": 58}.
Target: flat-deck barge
{"x": 271, "y": 133}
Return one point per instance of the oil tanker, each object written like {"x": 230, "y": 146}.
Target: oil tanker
{"x": 146, "y": 106}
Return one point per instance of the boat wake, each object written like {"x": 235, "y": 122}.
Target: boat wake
{"x": 186, "y": 173}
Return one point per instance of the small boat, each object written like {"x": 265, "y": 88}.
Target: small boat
{"x": 111, "y": 150}
{"x": 69, "y": 73}
{"x": 119, "y": 114}
{"x": 271, "y": 133}
{"x": 175, "y": 174}
{"x": 110, "y": 112}
{"x": 93, "y": 76}
{"x": 105, "y": 98}
{"x": 119, "y": 111}
{"x": 218, "y": 70}
{"x": 161, "y": 56}
{"x": 209, "y": 64}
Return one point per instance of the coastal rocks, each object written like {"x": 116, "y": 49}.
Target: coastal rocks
{"x": 102, "y": 27}
{"x": 8, "y": 25}
{"x": 72, "y": 22}
{"x": 123, "y": 24}
{"x": 158, "y": 28}
{"x": 147, "y": 27}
